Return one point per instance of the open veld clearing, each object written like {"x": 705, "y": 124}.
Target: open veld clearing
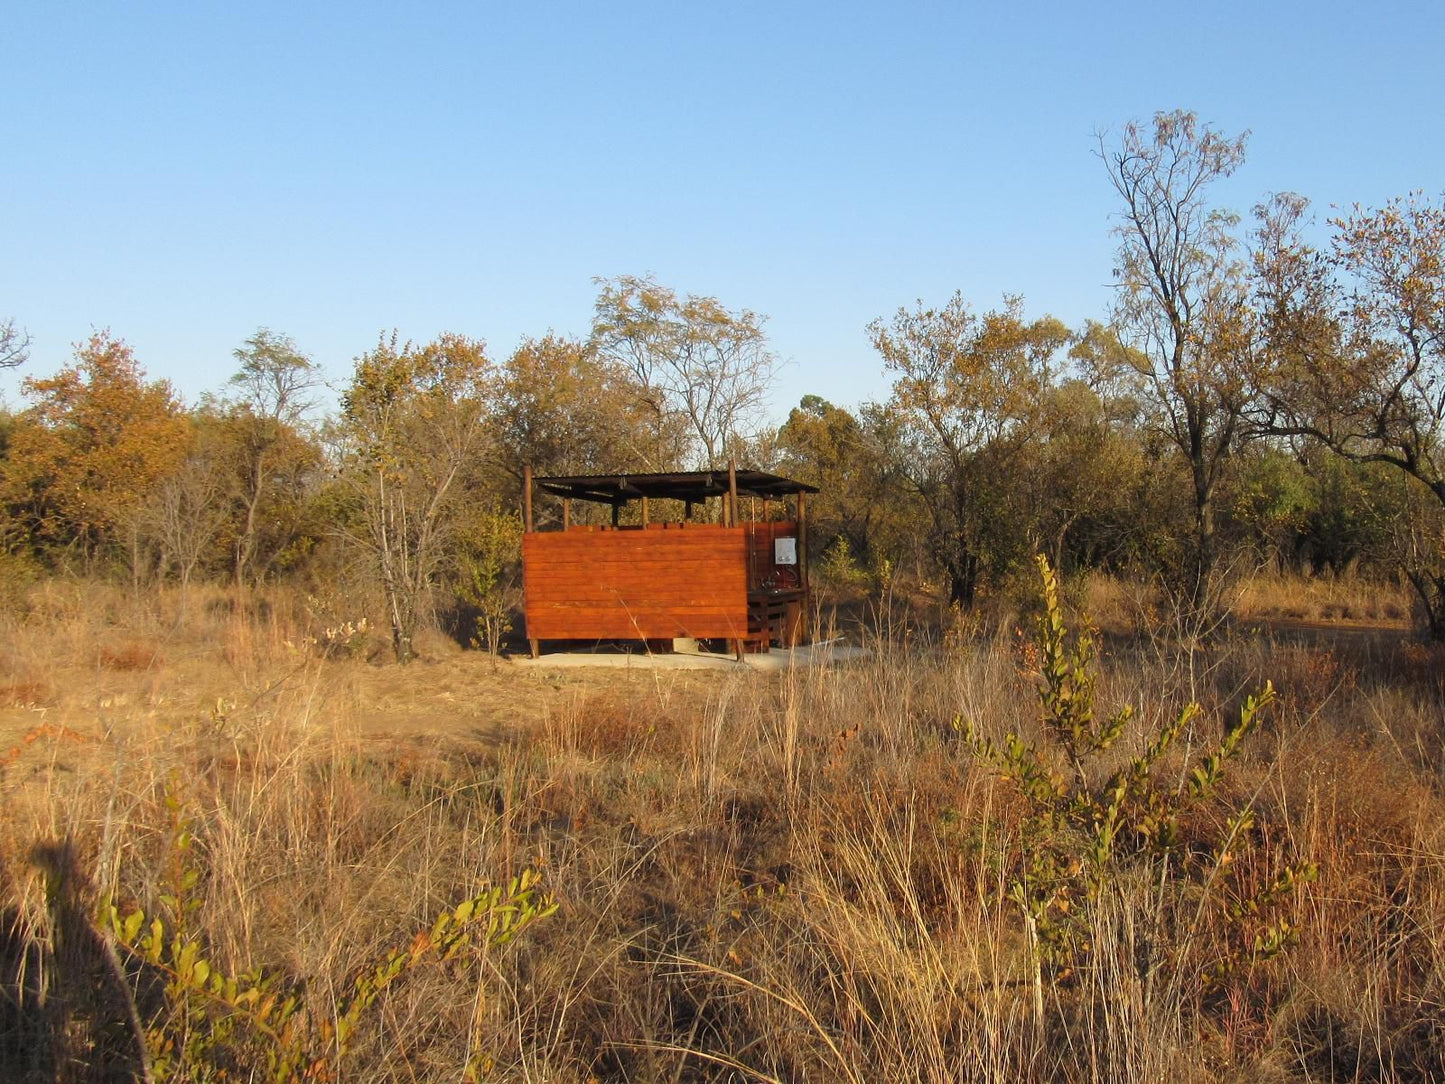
{"x": 824, "y": 873}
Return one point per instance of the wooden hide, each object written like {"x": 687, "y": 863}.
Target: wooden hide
{"x": 658, "y": 582}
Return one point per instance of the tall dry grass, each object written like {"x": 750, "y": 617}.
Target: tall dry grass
{"x": 793, "y": 877}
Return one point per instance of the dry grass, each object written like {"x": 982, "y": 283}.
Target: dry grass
{"x": 1322, "y": 599}
{"x": 795, "y": 877}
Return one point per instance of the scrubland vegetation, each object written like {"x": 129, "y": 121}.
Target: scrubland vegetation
{"x": 1183, "y": 821}
{"x": 812, "y": 875}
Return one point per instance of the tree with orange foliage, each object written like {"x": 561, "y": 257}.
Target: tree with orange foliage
{"x": 87, "y": 454}
{"x": 565, "y": 409}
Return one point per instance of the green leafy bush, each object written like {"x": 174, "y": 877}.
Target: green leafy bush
{"x": 1089, "y": 827}
{"x": 212, "y": 1026}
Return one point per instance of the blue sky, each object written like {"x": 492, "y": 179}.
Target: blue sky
{"x": 185, "y": 173}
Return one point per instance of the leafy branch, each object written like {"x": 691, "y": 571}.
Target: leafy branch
{"x": 195, "y": 1034}
{"x": 1079, "y": 835}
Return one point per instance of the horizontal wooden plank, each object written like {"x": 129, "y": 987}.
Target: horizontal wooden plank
{"x": 717, "y": 549}
{"x": 715, "y": 603}
{"x": 612, "y": 627}
{"x": 636, "y": 584}
{"x": 637, "y": 605}
{"x": 610, "y": 631}
{"x": 565, "y": 609}
{"x": 626, "y": 573}
{"x": 642, "y": 619}
{"x": 603, "y": 586}
{"x": 721, "y": 566}
{"x": 638, "y": 593}
{"x": 680, "y": 619}
{"x": 720, "y": 570}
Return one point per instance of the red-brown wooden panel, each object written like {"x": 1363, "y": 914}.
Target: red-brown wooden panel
{"x": 633, "y": 584}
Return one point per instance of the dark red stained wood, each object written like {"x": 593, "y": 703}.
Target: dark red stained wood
{"x": 632, "y": 584}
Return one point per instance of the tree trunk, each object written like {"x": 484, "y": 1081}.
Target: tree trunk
{"x": 401, "y": 601}
{"x": 390, "y": 541}
{"x": 1201, "y": 574}
{"x": 957, "y": 557}
{"x": 135, "y": 558}
{"x": 962, "y": 569}
{"x": 1431, "y": 589}
{"x": 401, "y": 604}
{"x": 246, "y": 544}
{"x": 402, "y": 632}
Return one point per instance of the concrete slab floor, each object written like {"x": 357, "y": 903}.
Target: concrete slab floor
{"x": 825, "y": 654}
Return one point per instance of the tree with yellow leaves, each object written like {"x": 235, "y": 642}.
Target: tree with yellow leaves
{"x": 966, "y": 387}
{"x": 414, "y": 424}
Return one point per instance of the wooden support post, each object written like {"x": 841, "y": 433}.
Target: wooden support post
{"x": 803, "y": 554}
{"x": 535, "y": 645}
{"x": 616, "y": 513}
{"x": 752, "y": 573}
{"x": 731, "y": 504}
{"x": 803, "y": 539}
{"x": 733, "y": 489}
{"x": 566, "y": 513}
{"x": 645, "y": 517}
{"x": 687, "y": 510}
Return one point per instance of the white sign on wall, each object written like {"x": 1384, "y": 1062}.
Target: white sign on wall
{"x": 785, "y": 551}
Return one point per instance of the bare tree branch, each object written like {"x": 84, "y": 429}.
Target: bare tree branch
{"x": 14, "y": 345}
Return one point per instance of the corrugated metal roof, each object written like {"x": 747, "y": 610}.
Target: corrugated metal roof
{"x": 677, "y": 485}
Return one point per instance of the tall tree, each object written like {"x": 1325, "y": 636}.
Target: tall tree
{"x": 1182, "y": 303}
{"x": 832, "y": 448}
{"x": 965, "y": 386}
{"x": 691, "y": 359}
{"x": 88, "y": 453}
{"x": 188, "y": 509}
{"x": 414, "y": 422}
{"x": 1356, "y": 344}
{"x": 564, "y": 409}
{"x": 273, "y": 383}
{"x": 1084, "y": 474}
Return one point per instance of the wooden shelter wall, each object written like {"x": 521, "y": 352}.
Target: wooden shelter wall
{"x": 653, "y": 583}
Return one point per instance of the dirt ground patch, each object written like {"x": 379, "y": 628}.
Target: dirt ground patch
{"x": 57, "y": 719}
{"x": 59, "y": 714}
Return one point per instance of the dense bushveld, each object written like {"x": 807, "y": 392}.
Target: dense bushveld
{"x": 813, "y": 875}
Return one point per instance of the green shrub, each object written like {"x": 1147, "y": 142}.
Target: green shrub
{"x": 839, "y": 568}
{"x": 211, "y": 1025}
{"x": 1089, "y": 830}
